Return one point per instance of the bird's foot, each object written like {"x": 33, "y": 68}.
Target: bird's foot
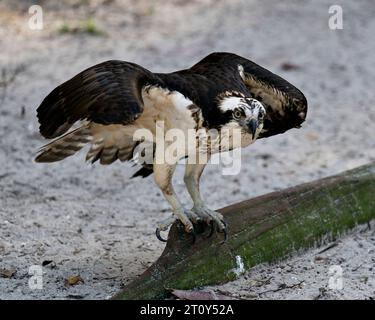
{"x": 163, "y": 226}
{"x": 195, "y": 216}
{"x": 187, "y": 218}
{"x": 212, "y": 218}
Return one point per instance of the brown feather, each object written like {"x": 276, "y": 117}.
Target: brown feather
{"x": 64, "y": 146}
{"x": 107, "y": 93}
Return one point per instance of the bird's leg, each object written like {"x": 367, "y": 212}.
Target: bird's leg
{"x": 192, "y": 176}
{"x": 163, "y": 177}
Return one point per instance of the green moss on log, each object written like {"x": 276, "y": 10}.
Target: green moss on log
{"x": 264, "y": 229}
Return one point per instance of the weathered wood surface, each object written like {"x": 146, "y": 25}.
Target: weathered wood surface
{"x": 264, "y": 229}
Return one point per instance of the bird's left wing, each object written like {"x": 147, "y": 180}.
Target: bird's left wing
{"x": 286, "y": 106}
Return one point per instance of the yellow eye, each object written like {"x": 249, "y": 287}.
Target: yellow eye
{"x": 237, "y": 113}
{"x": 261, "y": 116}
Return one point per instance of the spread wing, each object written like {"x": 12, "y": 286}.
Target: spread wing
{"x": 107, "y": 93}
{"x": 108, "y": 96}
{"x": 286, "y": 106}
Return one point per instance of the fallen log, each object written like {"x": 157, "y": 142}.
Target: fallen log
{"x": 264, "y": 229}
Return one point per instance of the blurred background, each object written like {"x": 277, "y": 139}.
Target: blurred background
{"x": 93, "y": 221}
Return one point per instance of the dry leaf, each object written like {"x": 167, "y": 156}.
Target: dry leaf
{"x": 320, "y": 258}
{"x": 73, "y": 280}
{"x": 4, "y": 273}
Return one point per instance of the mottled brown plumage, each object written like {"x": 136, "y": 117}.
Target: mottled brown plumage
{"x": 110, "y": 93}
{"x": 111, "y": 101}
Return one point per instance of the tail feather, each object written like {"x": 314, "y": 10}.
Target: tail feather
{"x": 108, "y": 153}
{"x": 64, "y": 146}
{"x": 106, "y": 147}
{"x": 95, "y": 151}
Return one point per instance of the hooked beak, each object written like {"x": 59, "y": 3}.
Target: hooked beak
{"x": 252, "y": 125}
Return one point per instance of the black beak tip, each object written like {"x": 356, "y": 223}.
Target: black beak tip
{"x": 253, "y": 125}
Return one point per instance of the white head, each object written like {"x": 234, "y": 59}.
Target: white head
{"x": 246, "y": 113}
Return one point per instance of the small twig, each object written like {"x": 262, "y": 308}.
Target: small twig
{"x": 261, "y": 282}
{"x": 356, "y": 268}
{"x": 335, "y": 244}
{"x": 283, "y": 286}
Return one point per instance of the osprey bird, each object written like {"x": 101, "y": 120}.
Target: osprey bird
{"x": 110, "y": 101}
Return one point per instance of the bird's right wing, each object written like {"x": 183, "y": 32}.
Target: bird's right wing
{"x": 107, "y": 93}
{"x": 108, "y": 97}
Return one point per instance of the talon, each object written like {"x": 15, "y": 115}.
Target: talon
{"x": 190, "y": 231}
{"x": 219, "y": 227}
{"x": 198, "y": 220}
{"x": 192, "y": 217}
{"x": 225, "y": 236}
{"x": 224, "y": 223}
{"x": 157, "y": 233}
{"x": 211, "y": 224}
{"x": 224, "y": 231}
{"x": 189, "y": 228}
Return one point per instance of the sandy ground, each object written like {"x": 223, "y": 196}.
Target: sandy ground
{"x": 94, "y": 221}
